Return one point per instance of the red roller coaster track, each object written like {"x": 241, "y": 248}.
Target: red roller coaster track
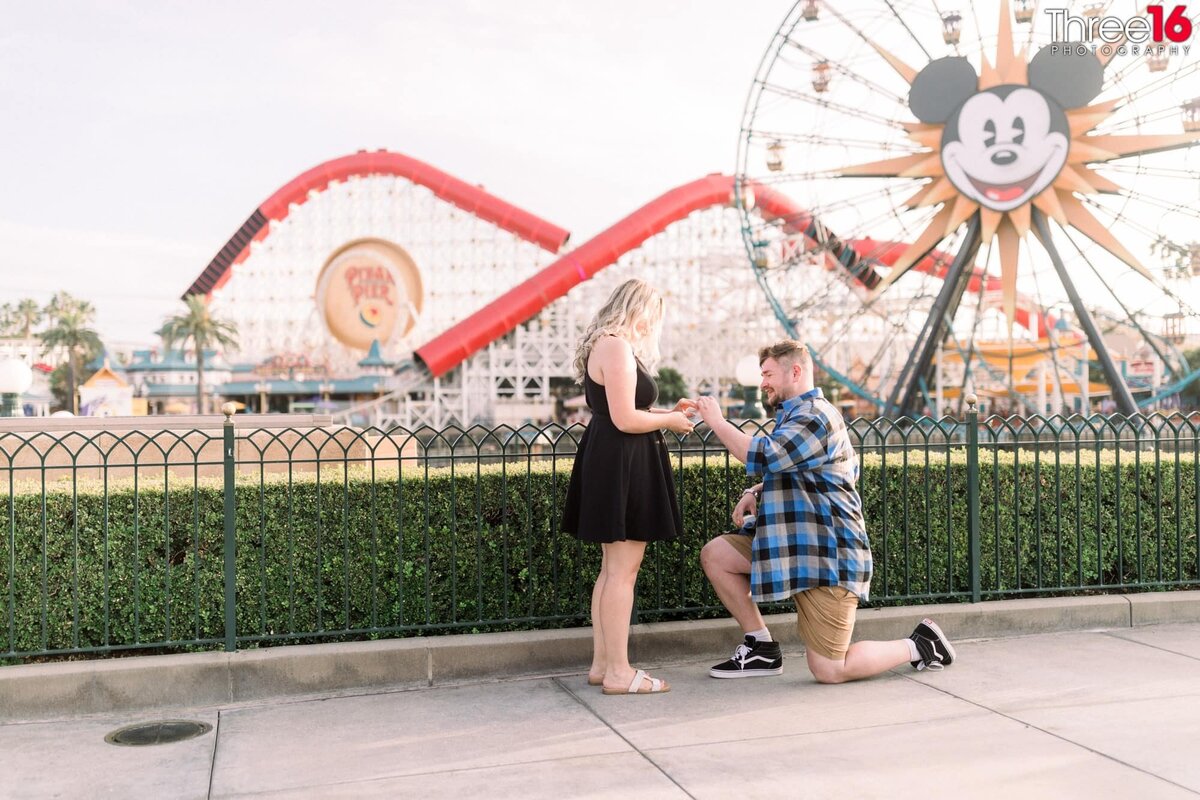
{"x": 449, "y": 349}
{"x": 469, "y": 198}
{"x": 458, "y": 343}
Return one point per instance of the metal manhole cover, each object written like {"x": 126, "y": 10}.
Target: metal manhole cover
{"x": 160, "y": 732}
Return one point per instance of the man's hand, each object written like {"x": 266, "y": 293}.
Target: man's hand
{"x": 710, "y": 410}
{"x": 736, "y": 442}
{"x": 747, "y": 505}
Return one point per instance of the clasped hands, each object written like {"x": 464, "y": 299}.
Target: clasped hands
{"x": 684, "y": 414}
{"x": 679, "y": 419}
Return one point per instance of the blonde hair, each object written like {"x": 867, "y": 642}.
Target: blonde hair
{"x": 631, "y": 302}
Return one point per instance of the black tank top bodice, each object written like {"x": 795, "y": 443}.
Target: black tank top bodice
{"x": 622, "y": 485}
{"x": 644, "y": 394}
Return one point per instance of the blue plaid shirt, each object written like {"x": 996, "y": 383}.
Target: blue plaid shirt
{"x": 810, "y": 530}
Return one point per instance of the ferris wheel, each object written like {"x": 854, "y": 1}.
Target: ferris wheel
{"x": 985, "y": 207}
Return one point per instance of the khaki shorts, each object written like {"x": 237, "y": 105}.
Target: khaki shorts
{"x": 824, "y": 615}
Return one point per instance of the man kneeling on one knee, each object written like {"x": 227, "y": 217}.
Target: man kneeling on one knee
{"x": 807, "y": 540}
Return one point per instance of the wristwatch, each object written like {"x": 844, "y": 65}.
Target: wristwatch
{"x": 753, "y": 492}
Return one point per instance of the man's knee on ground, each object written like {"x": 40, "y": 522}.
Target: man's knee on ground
{"x": 829, "y": 676}
{"x": 825, "y": 670}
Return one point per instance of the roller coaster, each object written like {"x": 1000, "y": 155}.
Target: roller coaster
{"x": 911, "y": 285}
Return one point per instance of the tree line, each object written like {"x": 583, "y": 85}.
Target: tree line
{"x": 65, "y": 326}
{"x": 62, "y": 325}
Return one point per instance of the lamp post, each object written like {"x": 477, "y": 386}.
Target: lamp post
{"x": 15, "y": 379}
{"x": 748, "y": 374}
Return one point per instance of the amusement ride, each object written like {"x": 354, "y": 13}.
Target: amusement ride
{"x": 939, "y": 200}
{"x": 986, "y": 208}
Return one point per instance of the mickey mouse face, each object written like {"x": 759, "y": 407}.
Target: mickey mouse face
{"x": 1004, "y": 146}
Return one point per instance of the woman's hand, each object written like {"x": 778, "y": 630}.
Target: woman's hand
{"x": 747, "y": 505}
{"x": 686, "y": 405}
{"x": 678, "y": 422}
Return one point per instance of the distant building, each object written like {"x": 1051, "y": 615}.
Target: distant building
{"x": 105, "y": 394}
{"x": 167, "y": 381}
{"x": 31, "y": 351}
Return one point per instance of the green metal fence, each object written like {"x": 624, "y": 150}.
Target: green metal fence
{"x": 239, "y": 535}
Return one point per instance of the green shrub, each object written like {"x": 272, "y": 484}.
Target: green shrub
{"x": 349, "y": 555}
{"x": 1086, "y": 523}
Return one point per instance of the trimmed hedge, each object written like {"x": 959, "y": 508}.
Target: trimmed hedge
{"x": 1088, "y": 523}
{"x": 348, "y": 555}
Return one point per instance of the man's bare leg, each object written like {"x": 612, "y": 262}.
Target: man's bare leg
{"x": 863, "y": 660}
{"x": 729, "y": 573}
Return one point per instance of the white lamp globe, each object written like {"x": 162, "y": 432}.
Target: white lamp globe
{"x": 748, "y": 372}
{"x": 15, "y": 376}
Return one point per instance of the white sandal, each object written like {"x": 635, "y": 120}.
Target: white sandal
{"x": 657, "y": 686}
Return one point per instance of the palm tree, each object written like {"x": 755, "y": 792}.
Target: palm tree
{"x": 25, "y": 316}
{"x": 198, "y": 326}
{"x": 63, "y": 303}
{"x": 70, "y": 330}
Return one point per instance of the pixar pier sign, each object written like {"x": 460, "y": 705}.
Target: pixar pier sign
{"x": 1164, "y": 30}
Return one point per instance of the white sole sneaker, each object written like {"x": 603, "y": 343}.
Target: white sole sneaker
{"x": 945, "y": 642}
{"x": 745, "y": 673}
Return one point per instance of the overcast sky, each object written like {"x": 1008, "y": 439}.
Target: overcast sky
{"x": 138, "y": 136}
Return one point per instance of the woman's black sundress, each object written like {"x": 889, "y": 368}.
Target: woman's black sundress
{"x": 621, "y": 485}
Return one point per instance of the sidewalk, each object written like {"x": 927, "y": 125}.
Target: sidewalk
{"x": 1089, "y": 713}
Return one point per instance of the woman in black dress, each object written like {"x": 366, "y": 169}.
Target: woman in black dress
{"x": 622, "y": 490}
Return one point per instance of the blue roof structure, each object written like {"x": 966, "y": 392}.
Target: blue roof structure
{"x": 375, "y": 358}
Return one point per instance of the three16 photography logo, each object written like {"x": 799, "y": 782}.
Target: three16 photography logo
{"x": 1163, "y": 30}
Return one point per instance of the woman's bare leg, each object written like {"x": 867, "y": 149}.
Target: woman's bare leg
{"x": 596, "y": 672}
{"x": 621, "y": 563}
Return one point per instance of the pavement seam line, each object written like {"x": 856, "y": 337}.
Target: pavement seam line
{"x": 558, "y": 682}
{"x": 1058, "y": 736}
{"x": 1160, "y": 648}
{"x": 212, "y": 767}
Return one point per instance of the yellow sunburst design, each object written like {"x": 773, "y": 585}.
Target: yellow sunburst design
{"x": 1058, "y": 201}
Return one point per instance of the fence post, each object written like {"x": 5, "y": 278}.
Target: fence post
{"x": 973, "y": 493}
{"x": 230, "y": 532}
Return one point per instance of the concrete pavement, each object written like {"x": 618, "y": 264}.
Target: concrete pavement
{"x": 1112, "y": 712}
{"x": 122, "y": 685}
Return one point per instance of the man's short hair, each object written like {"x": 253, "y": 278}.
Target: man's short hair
{"x": 787, "y": 350}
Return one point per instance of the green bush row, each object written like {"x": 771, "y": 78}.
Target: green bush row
{"x": 350, "y": 554}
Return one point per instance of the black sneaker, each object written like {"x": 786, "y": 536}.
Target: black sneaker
{"x": 934, "y": 648}
{"x": 751, "y": 659}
